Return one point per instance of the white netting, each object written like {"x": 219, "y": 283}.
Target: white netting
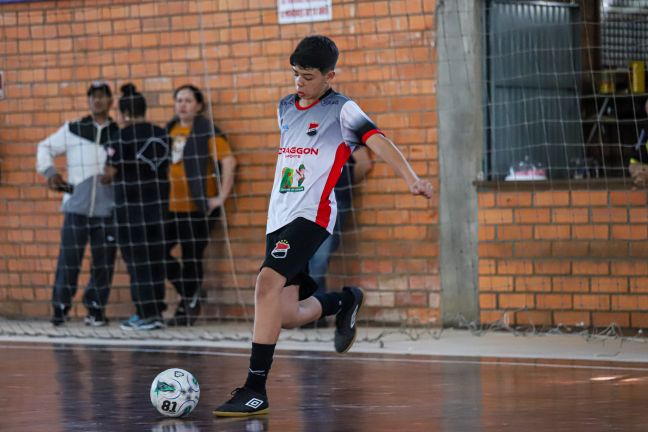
{"x": 488, "y": 93}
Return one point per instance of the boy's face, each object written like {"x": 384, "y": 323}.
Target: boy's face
{"x": 99, "y": 103}
{"x": 311, "y": 83}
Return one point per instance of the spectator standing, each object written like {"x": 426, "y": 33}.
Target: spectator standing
{"x": 137, "y": 167}
{"x": 201, "y": 177}
{"x": 87, "y": 206}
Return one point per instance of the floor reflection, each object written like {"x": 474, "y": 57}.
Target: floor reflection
{"x": 70, "y": 388}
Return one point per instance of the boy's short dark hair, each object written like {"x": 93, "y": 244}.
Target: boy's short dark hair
{"x": 315, "y": 52}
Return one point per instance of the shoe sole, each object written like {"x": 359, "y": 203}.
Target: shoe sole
{"x": 141, "y": 328}
{"x": 240, "y": 414}
{"x": 355, "y": 335}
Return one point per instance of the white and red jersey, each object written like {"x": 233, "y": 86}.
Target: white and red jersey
{"x": 316, "y": 141}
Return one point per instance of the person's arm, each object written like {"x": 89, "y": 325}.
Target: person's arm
{"x": 387, "y": 151}
{"x": 48, "y": 149}
{"x": 363, "y": 164}
{"x": 227, "y": 170}
{"x": 228, "y": 166}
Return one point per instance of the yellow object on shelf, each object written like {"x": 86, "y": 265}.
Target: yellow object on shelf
{"x": 637, "y": 76}
{"x": 607, "y": 82}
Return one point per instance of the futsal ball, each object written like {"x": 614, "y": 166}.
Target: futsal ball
{"x": 175, "y": 393}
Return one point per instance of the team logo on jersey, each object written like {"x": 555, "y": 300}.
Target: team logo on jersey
{"x": 297, "y": 152}
{"x": 288, "y": 177}
{"x": 281, "y": 249}
{"x": 312, "y": 129}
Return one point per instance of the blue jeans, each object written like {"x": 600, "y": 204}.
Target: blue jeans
{"x": 76, "y": 232}
{"x": 318, "y": 264}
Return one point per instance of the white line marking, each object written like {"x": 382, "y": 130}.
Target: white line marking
{"x": 124, "y": 347}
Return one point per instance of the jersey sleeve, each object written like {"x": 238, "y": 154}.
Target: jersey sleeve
{"x": 357, "y": 127}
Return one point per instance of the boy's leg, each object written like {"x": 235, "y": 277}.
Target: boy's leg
{"x": 251, "y": 399}
{"x": 296, "y": 313}
{"x": 287, "y": 253}
{"x": 267, "y": 306}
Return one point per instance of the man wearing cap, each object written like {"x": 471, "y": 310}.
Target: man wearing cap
{"x": 87, "y": 206}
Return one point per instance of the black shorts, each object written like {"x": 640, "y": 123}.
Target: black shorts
{"x": 289, "y": 249}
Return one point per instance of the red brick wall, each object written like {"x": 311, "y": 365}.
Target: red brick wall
{"x": 565, "y": 256}
{"x": 235, "y": 50}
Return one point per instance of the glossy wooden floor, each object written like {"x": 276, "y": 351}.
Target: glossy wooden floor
{"x": 80, "y": 388}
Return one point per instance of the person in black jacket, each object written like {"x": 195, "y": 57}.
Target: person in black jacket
{"x": 137, "y": 166}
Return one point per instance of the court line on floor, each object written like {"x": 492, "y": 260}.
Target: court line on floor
{"x": 120, "y": 347}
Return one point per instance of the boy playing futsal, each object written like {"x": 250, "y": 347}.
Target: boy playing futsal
{"x": 320, "y": 128}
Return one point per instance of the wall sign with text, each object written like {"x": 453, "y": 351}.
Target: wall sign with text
{"x": 300, "y": 11}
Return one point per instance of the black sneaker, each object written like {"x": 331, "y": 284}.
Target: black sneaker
{"x": 60, "y": 316}
{"x": 96, "y": 318}
{"x": 345, "y": 321}
{"x": 244, "y": 403}
{"x": 187, "y": 312}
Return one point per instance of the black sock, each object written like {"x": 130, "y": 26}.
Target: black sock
{"x": 260, "y": 362}
{"x": 333, "y": 302}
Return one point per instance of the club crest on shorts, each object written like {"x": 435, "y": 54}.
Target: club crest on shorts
{"x": 281, "y": 249}
{"x": 312, "y": 129}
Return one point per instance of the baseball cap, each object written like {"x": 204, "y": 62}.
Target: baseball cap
{"x": 99, "y": 85}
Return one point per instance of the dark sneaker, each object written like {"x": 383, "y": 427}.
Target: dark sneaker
{"x": 60, "y": 316}
{"x": 142, "y": 324}
{"x": 244, "y": 403}
{"x": 96, "y": 318}
{"x": 187, "y": 312}
{"x": 345, "y": 321}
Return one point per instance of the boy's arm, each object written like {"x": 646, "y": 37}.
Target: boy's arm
{"x": 387, "y": 151}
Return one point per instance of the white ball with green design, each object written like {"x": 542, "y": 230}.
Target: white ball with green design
{"x": 175, "y": 392}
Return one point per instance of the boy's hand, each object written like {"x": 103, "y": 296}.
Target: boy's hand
{"x": 422, "y": 187}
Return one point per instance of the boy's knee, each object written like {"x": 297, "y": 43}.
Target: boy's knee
{"x": 269, "y": 283}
